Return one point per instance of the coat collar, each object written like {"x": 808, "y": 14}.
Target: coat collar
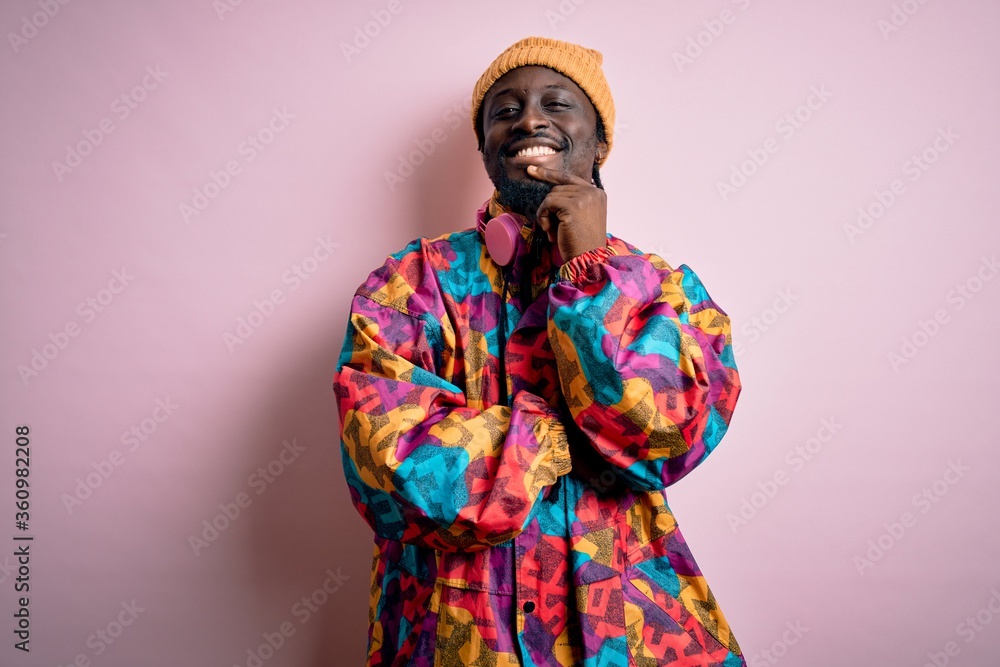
{"x": 492, "y": 208}
{"x": 532, "y": 269}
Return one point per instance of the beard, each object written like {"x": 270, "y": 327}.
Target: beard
{"x": 524, "y": 197}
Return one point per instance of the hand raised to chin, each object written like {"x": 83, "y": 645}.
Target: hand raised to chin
{"x": 574, "y": 214}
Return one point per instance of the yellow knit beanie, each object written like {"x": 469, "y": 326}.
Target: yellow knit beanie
{"x": 578, "y": 63}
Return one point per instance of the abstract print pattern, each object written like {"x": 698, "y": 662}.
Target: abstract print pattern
{"x": 533, "y": 530}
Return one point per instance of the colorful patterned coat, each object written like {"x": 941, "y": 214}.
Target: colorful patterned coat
{"x": 539, "y": 533}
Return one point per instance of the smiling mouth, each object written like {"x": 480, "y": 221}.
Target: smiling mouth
{"x": 535, "y": 151}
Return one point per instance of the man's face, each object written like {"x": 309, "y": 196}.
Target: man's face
{"x": 535, "y": 115}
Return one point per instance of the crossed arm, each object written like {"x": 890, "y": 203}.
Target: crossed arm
{"x": 646, "y": 370}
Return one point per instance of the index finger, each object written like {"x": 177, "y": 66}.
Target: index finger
{"x": 555, "y": 176}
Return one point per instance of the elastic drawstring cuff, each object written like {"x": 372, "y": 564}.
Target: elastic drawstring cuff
{"x": 559, "y": 447}
{"x": 576, "y": 269}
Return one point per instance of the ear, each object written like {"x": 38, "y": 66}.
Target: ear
{"x": 601, "y": 152}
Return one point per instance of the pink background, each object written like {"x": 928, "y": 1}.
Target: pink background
{"x": 816, "y": 311}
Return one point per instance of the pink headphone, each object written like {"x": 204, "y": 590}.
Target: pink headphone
{"x": 503, "y": 235}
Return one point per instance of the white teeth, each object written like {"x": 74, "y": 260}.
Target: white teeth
{"x": 533, "y": 151}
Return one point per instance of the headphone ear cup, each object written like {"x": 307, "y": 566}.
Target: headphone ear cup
{"x": 503, "y": 234}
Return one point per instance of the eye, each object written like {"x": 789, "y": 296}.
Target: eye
{"x": 558, "y": 105}
{"x": 504, "y": 110}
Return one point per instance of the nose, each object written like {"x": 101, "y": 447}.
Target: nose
{"x": 531, "y": 119}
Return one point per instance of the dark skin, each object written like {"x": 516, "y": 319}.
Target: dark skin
{"x": 538, "y": 108}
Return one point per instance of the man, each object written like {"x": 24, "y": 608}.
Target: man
{"x": 517, "y": 497}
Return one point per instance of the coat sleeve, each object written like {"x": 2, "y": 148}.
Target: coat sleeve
{"x": 423, "y": 466}
{"x": 645, "y": 363}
